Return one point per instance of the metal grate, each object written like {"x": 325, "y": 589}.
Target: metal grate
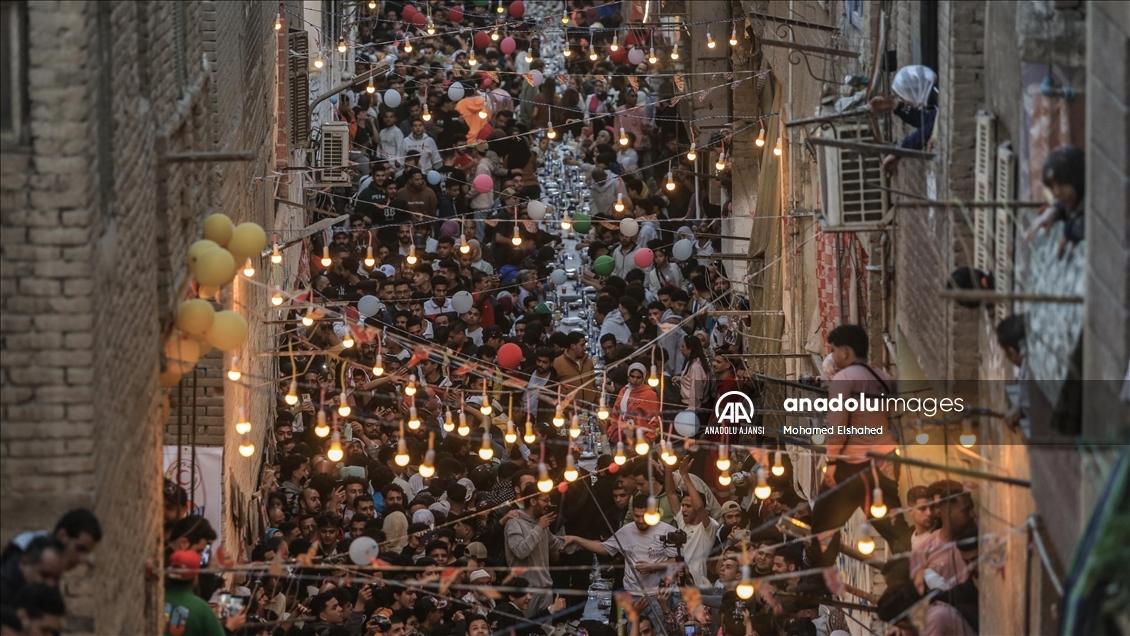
{"x": 983, "y": 172}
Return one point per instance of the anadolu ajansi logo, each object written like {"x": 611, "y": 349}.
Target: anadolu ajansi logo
{"x": 733, "y": 412}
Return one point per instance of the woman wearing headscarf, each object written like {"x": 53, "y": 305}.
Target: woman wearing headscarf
{"x": 637, "y": 405}
{"x": 692, "y": 381}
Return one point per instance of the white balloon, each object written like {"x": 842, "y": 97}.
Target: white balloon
{"x": 363, "y": 550}
{"x": 629, "y": 227}
{"x": 558, "y": 277}
{"x": 368, "y": 306}
{"x": 392, "y": 98}
{"x": 455, "y": 92}
{"x": 686, "y": 424}
{"x": 462, "y": 302}
{"x": 536, "y": 210}
{"x": 635, "y": 56}
{"x": 683, "y": 249}
{"x": 537, "y": 77}
{"x": 914, "y": 83}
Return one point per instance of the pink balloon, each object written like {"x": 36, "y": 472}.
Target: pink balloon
{"x": 455, "y": 14}
{"x": 507, "y": 45}
{"x": 483, "y": 183}
{"x": 509, "y": 355}
{"x": 517, "y": 9}
{"x": 644, "y": 257}
{"x": 482, "y": 40}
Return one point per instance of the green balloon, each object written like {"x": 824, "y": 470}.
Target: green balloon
{"x": 603, "y": 265}
{"x": 581, "y": 222}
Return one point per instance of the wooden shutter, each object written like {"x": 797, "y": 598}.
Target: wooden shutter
{"x": 298, "y": 88}
{"x": 983, "y": 173}
{"x": 1005, "y": 189}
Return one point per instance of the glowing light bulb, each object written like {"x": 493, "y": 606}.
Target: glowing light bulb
{"x": 494, "y": 35}
{"x": 565, "y": 18}
{"x": 878, "y": 508}
{"x": 292, "y": 394}
{"x": 486, "y": 451}
{"x": 709, "y": 41}
{"x": 745, "y": 589}
{"x": 575, "y": 427}
{"x": 278, "y": 21}
{"x": 664, "y": 456}
{"x": 778, "y": 467}
{"x": 568, "y": 52}
{"x": 671, "y": 459}
{"x": 623, "y": 137}
{"x": 545, "y": 484}
{"x": 653, "y": 379}
{"x": 372, "y": 4}
{"x": 318, "y": 61}
{"x": 529, "y": 56}
{"x": 472, "y": 60}
{"x": 411, "y": 258}
{"x": 326, "y": 260}
{"x": 321, "y": 429}
{"x": 308, "y": 318}
{"x": 501, "y": 9}
{"x": 551, "y": 133}
{"x": 234, "y": 374}
{"x": 516, "y": 240}
{"x": 762, "y": 490}
{"x": 529, "y": 437}
{"x": 592, "y": 53}
{"x": 344, "y": 409}
{"x": 641, "y": 443}
{"x": 464, "y": 246}
{"x": 602, "y": 411}
{"x": 430, "y": 27}
{"x": 566, "y": 221}
{"x": 246, "y": 448}
{"x": 413, "y": 419}
{"x": 721, "y": 163}
{"x": 428, "y": 468}
{"x": 619, "y": 457}
{"x": 723, "y": 461}
{"x": 276, "y": 255}
{"x": 371, "y": 87}
{"x": 779, "y": 148}
{"x": 865, "y": 545}
{"x": 651, "y": 517}
{"x": 342, "y": 47}
{"x": 922, "y": 438}
{"x": 347, "y": 341}
{"x": 571, "y": 473}
{"x": 619, "y": 206}
{"x": 511, "y": 435}
{"x": 670, "y": 184}
{"x": 410, "y": 390}
{"x": 369, "y": 260}
{"x": 818, "y": 438}
{"x": 760, "y": 141}
{"x": 734, "y": 36}
{"x": 448, "y": 424}
{"x": 335, "y": 453}
{"x": 674, "y": 51}
{"x": 558, "y": 418}
{"x": 401, "y": 457}
{"x": 967, "y": 440}
{"x": 651, "y": 58}
{"x": 691, "y": 154}
{"x": 483, "y": 112}
{"x": 407, "y": 46}
{"x": 464, "y": 430}
{"x": 724, "y": 478}
{"x": 379, "y": 366}
{"x": 248, "y": 268}
{"x": 615, "y": 46}
{"x": 243, "y": 425}
{"x": 485, "y": 408}
{"x": 277, "y": 298}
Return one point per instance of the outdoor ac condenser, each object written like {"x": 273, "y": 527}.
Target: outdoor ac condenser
{"x": 333, "y": 161}
{"x": 850, "y": 200}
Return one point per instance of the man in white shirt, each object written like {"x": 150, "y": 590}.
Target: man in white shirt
{"x": 439, "y": 303}
{"x": 692, "y": 519}
{"x": 646, "y": 557}
{"x": 390, "y": 137}
{"x": 421, "y": 143}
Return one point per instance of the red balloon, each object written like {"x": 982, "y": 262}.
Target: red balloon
{"x": 482, "y": 40}
{"x": 517, "y": 9}
{"x": 619, "y": 55}
{"x": 408, "y": 12}
{"x": 508, "y": 45}
{"x": 419, "y": 19}
{"x": 613, "y": 467}
{"x": 631, "y": 39}
{"x": 455, "y": 14}
{"x": 563, "y": 486}
{"x": 509, "y": 355}
{"x": 644, "y": 258}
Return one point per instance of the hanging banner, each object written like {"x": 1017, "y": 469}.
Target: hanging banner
{"x": 203, "y": 482}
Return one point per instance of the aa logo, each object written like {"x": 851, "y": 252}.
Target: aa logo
{"x": 733, "y": 408}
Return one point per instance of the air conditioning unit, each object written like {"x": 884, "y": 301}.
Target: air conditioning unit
{"x": 851, "y": 184}
{"x": 333, "y": 160}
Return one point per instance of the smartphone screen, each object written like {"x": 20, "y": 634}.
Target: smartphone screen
{"x": 235, "y": 606}
{"x": 688, "y": 630}
{"x": 349, "y": 431}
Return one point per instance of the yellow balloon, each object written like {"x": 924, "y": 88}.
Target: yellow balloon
{"x": 181, "y": 353}
{"x": 228, "y": 331}
{"x": 207, "y": 291}
{"x": 170, "y": 377}
{"x": 218, "y": 228}
{"x": 205, "y": 346}
{"x": 195, "y": 316}
{"x": 215, "y": 267}
{"x": 198, "y": 248}
{"x": 247, "y": 241}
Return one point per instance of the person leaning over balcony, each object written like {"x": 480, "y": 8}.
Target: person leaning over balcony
{"x": 848, "y": 454}
{"x": 1065, "y": 177}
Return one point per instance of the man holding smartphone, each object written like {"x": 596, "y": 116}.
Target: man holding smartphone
{"x": 529, "y": 542}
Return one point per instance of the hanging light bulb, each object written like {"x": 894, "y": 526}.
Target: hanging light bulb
{"x": 760, "y": 141}
{"x": 818, "y": 438}
{"x": 568, "y": 52}
{"x": 967, "y": 439}
{"x": 379, "y": 366}
{"x": 248, "y": 268}
{"x": 371, "y": 87}
{"x": 430, "y": 27}
{"x": 243, "y": 425}
{"x": 724, "y": 478}
{"x": 620, "y": 458}
{"x": 551, "y": 133}
{"x": 664, "y": 456}
{"x": 675, "y": 51}
{"x": 619, "y": 206}
{"x": 652, "y": 516}
{"x": 516, "y": 240}
{"x": 483, "y": 112}
{"x": 652, "y": 58}
{"x": 372, "y": 4}
{"x": 410, "y": 390}
{"x": 709, "y": 41}
{"x": 321, "y": 428}
{"x": 878, "y": 508}
{"x": 369, "y": 260}
{"x": 407, "y": 45}
{"x": 464, "y": 430}
{"x": 500, "y": 8}
{"x": 326, "y": 260}
{"x": 276, "y": 255}
{"x": 734, "y": 36}
{"x": 745, "y": 589}
{"x": 623, "y": 137}
{"x": 653, "y": 379}
{"x": 602, "y": 410}
{"x": 691, "y": 154}
{"x": 558, "y": 417}
{"x": 411, "y": 258}
{"x": 278, "y": 21}
{"x": 292, "y": 394}
{"x": 571, "y": 473}
{"x": 923, "y": 437}
{"x": 529, "y": 437}
{"x": 545, "y": 484}
{"x": 413, "y": 419}
{"x": 642, "y": 446}
{"x": 615, "y": 46}
{"x": 486, "y": 451}
{"x": 318, "y": 61}
{"x": 511, "y": 435}
{"x": 779, "y": 148}
{"x": 335, "y": 453}
{"x": 529, "y": 56}
{"x": 471, "y": 59}
{"x": 464, "y": 246}
{"x": 343, "y": 409}
{"x": 448, "y": 424}
{"x": 575, "y": 427}
{"x": 485, "y": 408}
{"x": 865, "y": 545}
{"x": 723, "y": 461}
{"x": 428, "y": 468}
{"x": 308, "y": 318}
{"x": 721, "y": 163}
{"x": 565, "y": 18}
{"x": 592, "y": 53}
{"x": 494, "y": 35}
{"x": 778, "y": 467}
{"x": 246, "y": 448}
{"x": 401, "y": 457}
{"x": 234, "y": 374}
{"x": 341, "y": 46}
{"x": 277, "y": 298}
{"x": 671, "y": 458}
{"x": 566, "y": 221}
{"x": 347, "y": 341}
{"x": 762, "y": 490}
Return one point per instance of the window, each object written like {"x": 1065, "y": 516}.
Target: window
{"x": 855, "y": 13}
{"x": 13, "y": 72}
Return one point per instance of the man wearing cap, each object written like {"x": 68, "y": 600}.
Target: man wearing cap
{"x": 186, "y": 614}
{"x": 479, "y": 599}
